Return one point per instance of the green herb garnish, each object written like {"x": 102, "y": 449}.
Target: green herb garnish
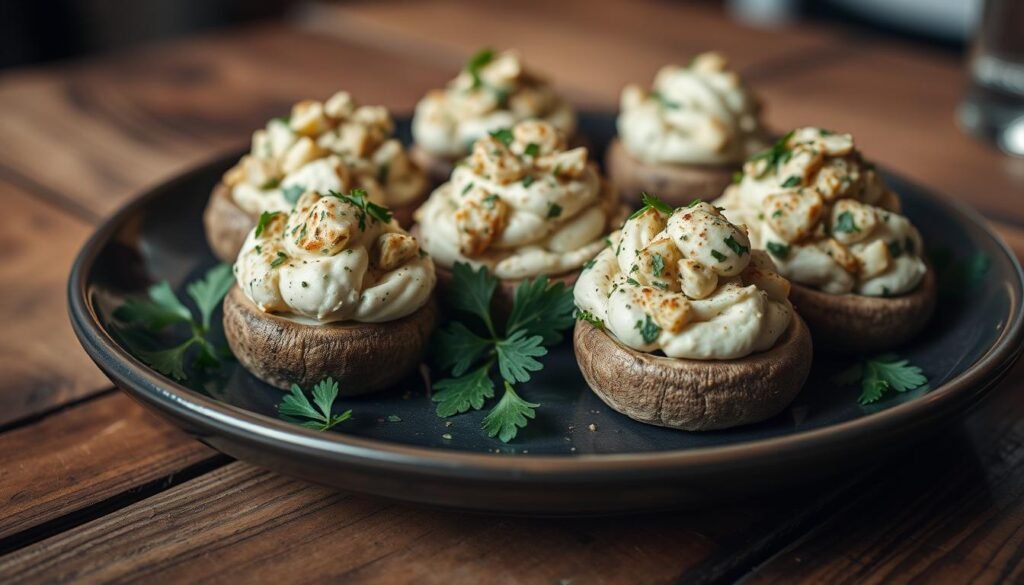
{"x": 718, "y": 255}
{"x": 778, "y": 153}
{"x": 651, "y": 202}
{"x": 532, "y": 149}
{"x": 366, "y": 207}
{"x": 776, "y": 249}
{"x": 649, "y": 330}
{"x": 147, "y": 318}
{"x": 469, "y": 349}
{"x": 880, "y": 375}
{"x": 270, "y": 183}
{"x": 554, "y": 211}
{"x": 477, "y": 62}
{"x": 657, "y": 264}
{"x": 296, "y": 406}
{"x": 292, "y": 194}
{"x": 735, "y": 246}
{"x": 845, "y": 223}
{"x": 502, "y": 135}
{"x": 264, "y": 220}
{"x": 279, "y": 260}
{"x": 589, "y": 317}
{"x": 792, "y": 181}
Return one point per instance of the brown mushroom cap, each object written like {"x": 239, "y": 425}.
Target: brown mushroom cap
{"x": 361, "y": 357}
{"x": 506, "y": 289}
{"x": 694, "y": 395}
{"x": 851, "y": 323}
{"x": 676, "y": 185}
{"x": 227, "y": 225}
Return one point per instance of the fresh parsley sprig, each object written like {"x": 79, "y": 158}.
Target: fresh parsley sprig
{"x": 470, "y": 350}
{"x": 295, "y": 406}
{"x": 651, "y": 202}
{"x": 477, "y": 62}
{"x": 879, "y": 375}
{"x": 144, "y": 319}
{"x": 777, "y": 154}
{"x": 357, "y": 197}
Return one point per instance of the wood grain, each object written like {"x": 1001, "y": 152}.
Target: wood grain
{"x": 84, "y": 455}
{"x": 242, "y": 525}
{"x": 589, "y": 51}
{"x": 953, "y": 512}
{"x": 41, "y": 363}
{"x": 95, "y": 133}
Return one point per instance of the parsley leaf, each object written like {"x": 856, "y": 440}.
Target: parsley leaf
{"x": 208, "y": 291}
{"x": 582, "y": 315}
{"x": 880, "y": 375}
{"x": 297, "y": 406}
{"x": 664, "y": 101}
{"x": 792, "y": 181}
{"x": 554, "y": 211}
{"x": 457, "y": 348}
{"x": 777, "y": 153}
{"x": 142, "y": 319}
{"x": 845, "y": 223}
{"x": 477, "y": 62}
{"x": 735, "y": 246}
{"x": 532, "y": 149}
{"x": 502, "y": 135}
{"x": 516, "y": 356}
{"x": 649, "y": 330}
{"x": 292, "y": 194}
{"x": 366, "y": 207}
{"x": 509, "y": 415}
{"x": 473, "y": 291}
{"x": 658, "y": 264}
{"x": 265, "y": 218}
{"x": 540, "y": 312}
{"x": 459, "y": 395}
{"x": 541, "y": 308}
{"x": 161, "y": 309}
{"x": 778, "y": 250}
{"x": 651, "y": 202}
{"x": 718, "y": 255}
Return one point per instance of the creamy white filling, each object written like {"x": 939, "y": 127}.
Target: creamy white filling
{"x": 286, "y": 270}
{"x": 733, "y": 322}
{"x": 793, "y": 199}
{"x": 701, "y": 114}
{"x": 335, "y": 144}
{"x": 447, "y": 122}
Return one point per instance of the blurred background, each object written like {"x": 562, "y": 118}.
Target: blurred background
{"x": 32, "y": 31}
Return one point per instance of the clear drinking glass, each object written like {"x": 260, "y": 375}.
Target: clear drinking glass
{"x": 994, "y": 106}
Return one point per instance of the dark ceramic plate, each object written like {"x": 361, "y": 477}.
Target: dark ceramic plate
{"x": 395, "y": 446}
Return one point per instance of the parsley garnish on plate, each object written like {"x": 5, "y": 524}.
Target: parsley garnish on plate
{"x": 880, "y": 375}
{"x": 295, "y": 406}
{"x": 366, "y": 207}
{"x": 651, "y": 202}
{"x": 469, "y": 349}
{"x": 145, "y": 319}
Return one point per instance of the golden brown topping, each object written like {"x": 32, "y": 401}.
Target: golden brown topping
{"x": 480, "y": 218}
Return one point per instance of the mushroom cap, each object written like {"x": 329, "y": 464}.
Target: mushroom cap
{"x": 227, "y": 225}
{"x": 850, "y": 323}
{"x": 505, "y": 292}
{"x": 675, "y": 184}
{"x": 694, "y": 395}
{"x": 361, "y": 357}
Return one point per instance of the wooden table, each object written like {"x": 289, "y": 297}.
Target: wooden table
{"x": 94, "y": 488}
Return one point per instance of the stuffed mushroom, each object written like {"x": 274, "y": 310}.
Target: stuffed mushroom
{"x": 336, "y": 145}
{"x": 683, "y": 325}
{"x": 493, "y": 91}
{"x": 834, "y": 228}
{"x": 334, "y": 288}
{"x": 523, "y": 205}
{"x": 686, "y": 136}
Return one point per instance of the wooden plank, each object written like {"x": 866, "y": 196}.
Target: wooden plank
{"x": 97, "y": 132}
{"x": 952, "y": 512}
{"x": 245, "y": 525}
{"x": 41, "y": 363}
{"x": 900, "y": 105}
{"x": 84, "y": 455}
{"x": 590, "y": 51}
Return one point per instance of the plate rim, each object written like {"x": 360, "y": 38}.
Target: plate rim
{"x": 165, "y": 394}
